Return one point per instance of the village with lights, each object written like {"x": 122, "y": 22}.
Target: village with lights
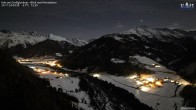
{"x": 37, "y": 66}
{"x": 162, "y": 85}
{"x": 147, "y": 82}
{"x": 51, "y": 62}
{"x": 144, "y": 82}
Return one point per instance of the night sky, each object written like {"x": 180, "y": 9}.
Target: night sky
{"x": 87, "y": 19}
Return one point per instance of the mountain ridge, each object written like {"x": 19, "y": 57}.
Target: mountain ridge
{"x": 166, "y": 46}
{"x": 31, "y": 44}
{"x": 23, "y": 38}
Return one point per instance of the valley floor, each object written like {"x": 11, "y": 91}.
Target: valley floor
{"x": 159, "y": 91}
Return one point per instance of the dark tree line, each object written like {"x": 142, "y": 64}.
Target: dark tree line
{"x": 189, "y": 95}
{"x": 21, "y": 89}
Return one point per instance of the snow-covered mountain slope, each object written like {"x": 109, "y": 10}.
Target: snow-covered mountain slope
{"x": 13, "y": 38}
{"x": 74, "y": 41}
{"x": 78, "y": 42}
{"x": 29, "y": 44}
{"x": 163, "y": 97}
{"x": 158, "y": 33}
{"x": 45, "y": 48}
{"x": 92, "y": 93}
{"x": 167, "y": 47}
{"x": 57, "y": 38}
{"x": 22, "y": 89}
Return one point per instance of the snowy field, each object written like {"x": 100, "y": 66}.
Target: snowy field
{"x": 164, "y": 97}
{"x": 161, "y": 98}
{"x": 68, "y": 84}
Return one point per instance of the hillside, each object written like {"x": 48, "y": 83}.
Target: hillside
{"x": 31, "y": 44}
{"x": 21, "y": 89}
{"x": 165, "y": 46}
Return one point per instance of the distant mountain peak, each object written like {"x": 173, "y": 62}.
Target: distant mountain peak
{"x": 157, "y": 33}
{"x": 57, "y": 38}
{"x": 78, "y": 42}
{"x": 74, "y": 41}
{"x": 12, "y": 39}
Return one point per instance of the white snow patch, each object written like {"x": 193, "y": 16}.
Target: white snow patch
{"x": 151, "y": 64}
{"x": 115, "y": 60}
{"x": 146, "y": 47}
{"x": 57, "y": 38}
{"x": 117, "y": 38}
{"x": 59, "y": 54}
{"x": 78, "y": 42}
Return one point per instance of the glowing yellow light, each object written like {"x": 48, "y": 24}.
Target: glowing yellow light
{"x": 133, "y": 77}
{"x": 144, "y": 88}
{"x": 150, "y": 79}
{"x": 150, "y": 85}
{"x": 145, "y": 82}
{"x": 32, "y": 67}
{"x": 44, "y": 72}
{"x": 40, "y": 71}
{"x": 96, "y": 75}
{"x": 172, "y": 81}
{"x": 139, "y": 82}
{"x": 58, "y": 65}
{"x": 183, "y": 82}
{"x": 144, "y": 76}
{"x": 52, "y": 64}
{"x": 158, "y": 83}
{"x": 157, "y": 66}
{"x": 165, "y": 79}
{"x": 66, "y": 75}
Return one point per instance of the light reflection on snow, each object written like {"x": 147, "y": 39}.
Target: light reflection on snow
{"x": 145, "y": 89}
{"x": 133, "y": 76}
{"x": 150, "y": 81}
{"x": 139, "y": 82}
{"x": 96, "y": 75}
{"x": 146, "y": 80}
{"x": 51, "y": 62}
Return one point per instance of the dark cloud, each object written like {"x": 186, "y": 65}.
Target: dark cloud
{"x": 87, "y": 19}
